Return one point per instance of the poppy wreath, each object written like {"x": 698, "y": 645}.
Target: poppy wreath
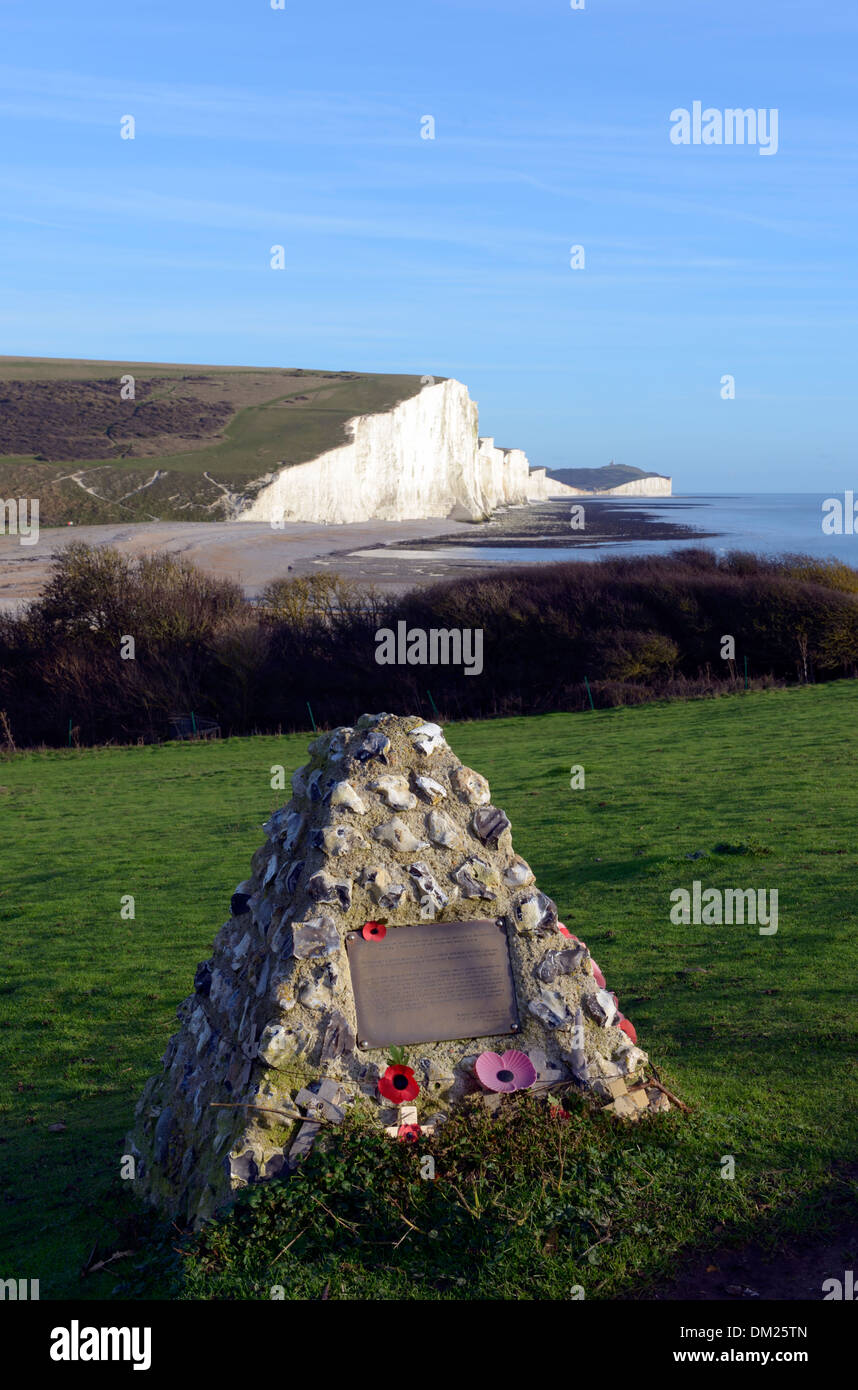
{"x": 398, "y": 1084}
{"x": 507, "y": 1071}
{"x": 409, "y": 1134}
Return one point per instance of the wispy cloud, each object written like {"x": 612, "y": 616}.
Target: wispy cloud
{"x": 188, "y": 109}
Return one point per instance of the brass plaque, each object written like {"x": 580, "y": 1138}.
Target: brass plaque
{"x": 433, "y": 982}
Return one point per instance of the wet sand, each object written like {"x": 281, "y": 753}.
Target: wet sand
{"x": 253, "y": 553}
{"x": 392, "y": 555}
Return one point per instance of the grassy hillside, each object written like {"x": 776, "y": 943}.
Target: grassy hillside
{"x": 68, "y": 438}
{"x": 600, "y": 479}
{"x": 756, "y": 1033}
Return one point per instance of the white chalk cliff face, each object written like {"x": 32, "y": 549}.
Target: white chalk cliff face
{"x": 422, "y": 459}
{"x": 638, "y": 487}
{"x": 644, "y": 487}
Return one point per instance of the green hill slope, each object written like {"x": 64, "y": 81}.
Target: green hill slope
{"x": 600, "y": 479}
{"x": 191, "y": 434}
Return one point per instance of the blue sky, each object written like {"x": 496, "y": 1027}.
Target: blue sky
{"x": 450, "y": 256}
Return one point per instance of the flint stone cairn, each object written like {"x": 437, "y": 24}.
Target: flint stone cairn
{"x": 385, "y": 824}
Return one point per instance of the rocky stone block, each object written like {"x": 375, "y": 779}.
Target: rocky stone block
{"x": 430, "y": 790}
{"x": 489, "y": 824}
{"x": 533, "y": 912}
{"x": 395, "y": 792}
{"x": 317, "y": 937}
{"x": 518, "y": 874}
{"x": 601, "y": 1007}
{"x": 339, "y": 1039}
{"x": 344, "y": 795}
{"x": 398, "y": 836}
{"x": 429, "y": 893}
{"x": 427, "y": 739}
{"x": 555, "y": 963}
{"x": 469, "y": 786}
{"x": 324, "y": 889}
{"x": 280, "y": 1045}
{"x": 476, "y": 878}
{"x": 373, "y": 746}
{"x": 551, "y": 1009}
{"x": 335, "y": 840}
{"x": 442, "y": 831}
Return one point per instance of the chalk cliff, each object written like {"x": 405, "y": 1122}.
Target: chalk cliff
{"x": 614, "y": 480}
{"x": 645, "y": 487}
{"x": 424, "y": 458}
{"x": 641, "y": 487}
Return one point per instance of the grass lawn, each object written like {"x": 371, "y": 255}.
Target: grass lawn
{"x": 756, "y": 1033}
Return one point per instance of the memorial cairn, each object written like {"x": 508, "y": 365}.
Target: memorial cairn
{"x": 389, "y": 948}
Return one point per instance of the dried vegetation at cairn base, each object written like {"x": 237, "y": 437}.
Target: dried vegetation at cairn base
{"x": 385, "y": 824}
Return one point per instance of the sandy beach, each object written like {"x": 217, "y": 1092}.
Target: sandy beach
{"x": 251, "y": 552}
{"x": 392, "y": 555}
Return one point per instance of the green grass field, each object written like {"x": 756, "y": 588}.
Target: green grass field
{"x": 281, "y": 417}
{"x": 756, "y": 1033}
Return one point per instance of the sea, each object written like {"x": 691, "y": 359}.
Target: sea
{"x": 766, "y": 522}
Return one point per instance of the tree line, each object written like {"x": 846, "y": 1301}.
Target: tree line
{"x": 554, "y": 637}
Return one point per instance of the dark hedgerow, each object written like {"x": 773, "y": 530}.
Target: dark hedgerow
{"x": 622, "y": 631}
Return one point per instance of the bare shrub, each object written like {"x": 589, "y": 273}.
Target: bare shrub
{"x": 638, "y": 628}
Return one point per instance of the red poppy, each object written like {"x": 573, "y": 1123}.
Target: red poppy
{"x": 628, "y": 1029}
{"x": 558, "y": 1113}
{"x": 373, "y": 931}
{"x": 398, "y": 1084}
{"x": 598, "y": 976}
{"x": 565, "y": 930}
{"x": 409, "y": 1134}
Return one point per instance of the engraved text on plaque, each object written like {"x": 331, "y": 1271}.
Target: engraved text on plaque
{"x": 432, "y": 983}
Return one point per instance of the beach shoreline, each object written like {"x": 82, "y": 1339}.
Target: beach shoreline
{"x": 391, "y": 555}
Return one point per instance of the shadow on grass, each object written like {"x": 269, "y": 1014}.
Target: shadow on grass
{"x": 524, "y": 1205}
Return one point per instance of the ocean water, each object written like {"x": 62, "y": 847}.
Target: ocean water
{"x": 768, "y": 523}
